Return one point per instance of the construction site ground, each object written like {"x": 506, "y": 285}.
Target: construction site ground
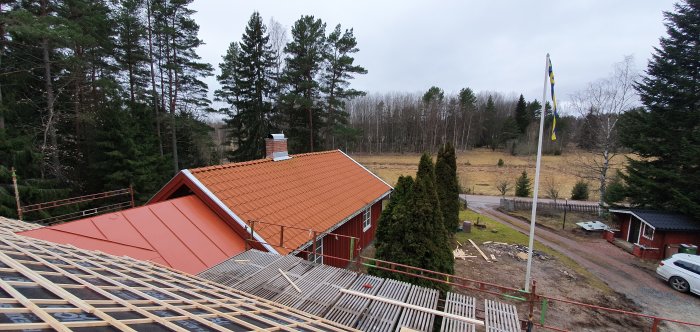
{"x": 577, "y": 266}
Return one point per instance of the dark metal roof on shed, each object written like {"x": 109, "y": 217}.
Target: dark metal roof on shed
{"x": 665, "y": 221}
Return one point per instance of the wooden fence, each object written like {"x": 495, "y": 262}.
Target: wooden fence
{"x": 565, "y": 205}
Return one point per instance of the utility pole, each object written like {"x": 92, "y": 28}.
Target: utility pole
{"x": 14, "y": 184}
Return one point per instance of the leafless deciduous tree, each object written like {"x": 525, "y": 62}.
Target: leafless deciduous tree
{"x": 278, "y": 38}
{"x": 551, "y": 189}
{"x": 503, "y": 187}
{"x": 601, "y": 104}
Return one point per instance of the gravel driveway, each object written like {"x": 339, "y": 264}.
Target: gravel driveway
{"x": 612, "y": 265}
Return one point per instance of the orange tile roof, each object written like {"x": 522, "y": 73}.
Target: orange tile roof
{"x": 310, "y": 191}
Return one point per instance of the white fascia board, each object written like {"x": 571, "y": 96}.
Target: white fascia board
{"x": 365, "y": 168}
{"x": 228, "y": 211}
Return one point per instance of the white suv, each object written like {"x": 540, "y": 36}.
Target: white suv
{"x": 682, "y": 271}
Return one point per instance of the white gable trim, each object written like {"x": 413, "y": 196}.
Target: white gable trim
{"x": 365, "y": 168}
{"x": 228, "y": 211}
{"x": 643, "y": 223}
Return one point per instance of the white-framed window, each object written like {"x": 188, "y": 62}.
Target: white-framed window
{"x": 317, "y": 257}
{"x": 648, "y": 232}
{"x": 367, "y": 219}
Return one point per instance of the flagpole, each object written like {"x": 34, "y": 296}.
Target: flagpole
{"x": 537, "y": 177}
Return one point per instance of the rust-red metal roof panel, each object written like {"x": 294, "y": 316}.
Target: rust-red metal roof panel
{"x": 182, "y": 233}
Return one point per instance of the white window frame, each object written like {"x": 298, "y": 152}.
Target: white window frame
{"x": 367, "y": 219}
{"x": 317, "y": 257}
{"x": 644, "y": 229}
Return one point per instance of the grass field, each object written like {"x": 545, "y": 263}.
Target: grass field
{"x": 478, "y": 171}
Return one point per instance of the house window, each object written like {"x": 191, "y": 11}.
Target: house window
{"x": 648, "y": 232}
{"x": 317, "y": 257}
{"x": 367, "y": 219}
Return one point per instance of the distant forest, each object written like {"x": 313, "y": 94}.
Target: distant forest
{"x": 97, "y": 95}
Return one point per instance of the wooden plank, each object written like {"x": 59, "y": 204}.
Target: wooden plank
{"x": 479, "y": 250}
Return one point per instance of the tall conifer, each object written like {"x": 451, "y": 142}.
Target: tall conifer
{"x": 447, "y": 186}
{"x": 665, "y": 133}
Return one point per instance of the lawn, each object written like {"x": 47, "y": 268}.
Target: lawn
{"x": 495, "y": 232}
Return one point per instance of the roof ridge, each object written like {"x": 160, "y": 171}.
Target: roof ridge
{"x": 256, "y": 161}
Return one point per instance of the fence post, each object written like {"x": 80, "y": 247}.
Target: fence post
{"x": 655, "y": 325}
{"x": 566, "y": 202}
{"x": 131, "y": 191}
{"x": 313, "y": 247}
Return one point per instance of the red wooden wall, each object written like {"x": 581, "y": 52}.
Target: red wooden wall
{"x": 340, "y": 246}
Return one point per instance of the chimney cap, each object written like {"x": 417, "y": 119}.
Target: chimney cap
{"x": 277, "y": 136}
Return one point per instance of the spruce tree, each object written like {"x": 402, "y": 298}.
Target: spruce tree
{"x": 447, "y": 186}
{"x": 521, "y": 115}
{"x": 522, "y": 186}
{"x": 665, "y": 134}
{"x": 302, "y": 112}
{"x": 249, "y": 76}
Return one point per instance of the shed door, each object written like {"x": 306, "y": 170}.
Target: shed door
{"x": 634, "y": 230}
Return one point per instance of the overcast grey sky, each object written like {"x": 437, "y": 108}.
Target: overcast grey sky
{"x": 485, "y": 45}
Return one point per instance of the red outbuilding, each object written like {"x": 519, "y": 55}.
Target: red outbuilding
{"x": 322, "y": 202}
{"x": 654, "y": 234}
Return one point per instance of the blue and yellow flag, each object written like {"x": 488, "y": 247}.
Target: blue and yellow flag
{"x": 554, "y": 101}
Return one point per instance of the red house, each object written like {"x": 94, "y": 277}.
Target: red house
{"x": 205, "y": 215}
{"x": 654, "y": 234}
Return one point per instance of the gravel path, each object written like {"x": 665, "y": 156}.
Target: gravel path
{"x": 611, "y": 264}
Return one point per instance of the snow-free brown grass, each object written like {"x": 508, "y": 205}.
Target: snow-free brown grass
{"x": 479, "y": 173}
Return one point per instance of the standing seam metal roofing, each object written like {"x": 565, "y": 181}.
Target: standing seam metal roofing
{"x": 182, "y": 233}
{"x": 311, "y": 191}
{"x": 46, "y": 286}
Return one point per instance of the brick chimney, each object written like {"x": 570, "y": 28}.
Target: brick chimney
{"x": 276, "y": 147}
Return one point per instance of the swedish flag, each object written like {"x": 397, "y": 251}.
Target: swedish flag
{"x": 554, "y": 100}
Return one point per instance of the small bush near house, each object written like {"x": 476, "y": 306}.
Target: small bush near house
{"x": 500, "y": 162}
{"x": 580, "y": 191}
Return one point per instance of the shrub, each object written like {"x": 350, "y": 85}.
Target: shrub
{"x": 522, "y": 186}
{"x": 500, "y": 162}
{"x": 580, "y": 191}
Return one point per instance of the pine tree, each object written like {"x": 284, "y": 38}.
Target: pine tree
{"x": 340, "y": 68}
{"x": 247, "y": 82}
{"x": 447, "y": 186}
{"x": 302, "y": 112}
{"x": 665, "y": 132}
{"x": 522, "y": 186}
{"x": 521, "y": 115}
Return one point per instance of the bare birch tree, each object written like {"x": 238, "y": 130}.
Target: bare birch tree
{"x": 601, "y": 104}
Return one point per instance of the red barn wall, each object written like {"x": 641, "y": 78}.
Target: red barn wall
{"x": 340, "y": 247}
